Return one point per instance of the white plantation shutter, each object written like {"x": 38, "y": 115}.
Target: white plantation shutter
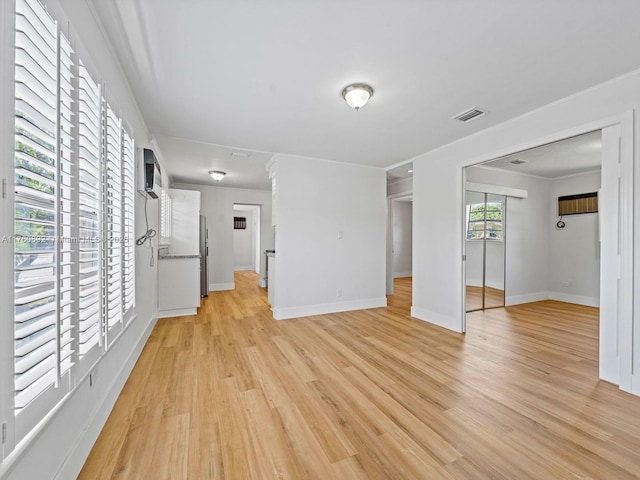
{"x": 114, "y": 224}
{"x": 89, "y": 200}
{"x": 44, "y": 200}
{"x": 74, "y": 188}
{"x": 36, "y": 176}
{"x": 128, "y": 227}
{"x": 67, "y": 305}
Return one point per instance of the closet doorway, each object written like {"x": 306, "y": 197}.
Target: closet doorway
{"x": 485, "y": 237}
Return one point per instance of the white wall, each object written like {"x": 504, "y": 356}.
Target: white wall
{"x": 402, "y": 238}
{"x": 216, "y": 203}
{"x": 400, "y": 187}
{"x": 61, "y": 445}
{"x": 334, "y": 259}
{"x": 574, "y": 250}
{"x": 244, "y": 251}
{"x": 437, "y": 267}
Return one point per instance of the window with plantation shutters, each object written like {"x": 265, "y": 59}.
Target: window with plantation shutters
{"x": 43, "y": 291}
{"x": 35, "y": 205}
{"x": 73, "y": 242}
{"x": 89, "y": 202}
{"x": 114, "y": 223}
{"x": 128, "y": 226}
{"x": 67, "y": 204}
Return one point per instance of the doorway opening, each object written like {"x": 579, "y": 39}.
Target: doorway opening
{"x": 573, "y": 259}
{"x": 400, "y": 235}
{"x": 246, "y": 238}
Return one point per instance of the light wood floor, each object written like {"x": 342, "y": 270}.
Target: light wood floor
{"x": 493, "y": 298}
{"x": 372, "y": 394}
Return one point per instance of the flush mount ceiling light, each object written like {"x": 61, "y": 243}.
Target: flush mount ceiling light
{"x": 217, "y": 175}
{"x": 357, "y": 95}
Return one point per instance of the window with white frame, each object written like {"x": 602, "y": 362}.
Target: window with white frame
{"x": 485, "y": 220}
{"x": 74, "y": 259}
{"x": 165, "y": 216}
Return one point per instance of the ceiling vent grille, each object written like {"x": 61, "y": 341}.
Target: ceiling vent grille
{"x": 469, "y": 115}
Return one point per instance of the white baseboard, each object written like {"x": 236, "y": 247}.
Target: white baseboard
{"x": 308, "y": 310}
{"x": 251, "y": 268}
{"x": 177, "y": 312}
{"x": 219, "y": 287}
{"x": 578, "y": 299}
{"x": 401, "y": 274}
{"x": 559, "y": 296}
{"x": 444, "y": 321}
{"x": 526, "y": 298}
{"x": 262, "y": 283}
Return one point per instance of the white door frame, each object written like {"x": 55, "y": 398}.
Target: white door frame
{"x": 390, "y": 265}
{"x": 622, "y": 374}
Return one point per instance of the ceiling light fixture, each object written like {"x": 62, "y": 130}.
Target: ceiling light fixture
{"x": 217, "y": 175}
{"x": 409, "y": 171}
{"x": 357, "y": 95}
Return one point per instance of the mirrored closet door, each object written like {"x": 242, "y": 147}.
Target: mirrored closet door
{"x": 485, "y": 241}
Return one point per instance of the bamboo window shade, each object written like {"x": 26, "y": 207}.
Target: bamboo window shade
{"x": 577, "y": 204}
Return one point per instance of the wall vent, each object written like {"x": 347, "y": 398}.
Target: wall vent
{"x": 577, "y": 204}
{"x": 469, "y": 115}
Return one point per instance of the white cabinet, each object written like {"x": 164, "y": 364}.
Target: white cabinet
{"x": 179, "y": 285}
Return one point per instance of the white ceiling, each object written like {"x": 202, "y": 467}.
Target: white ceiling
{"x": 190, "y": 162}
{"x": 267, "y": 76}
{"x": 568, "y": 157}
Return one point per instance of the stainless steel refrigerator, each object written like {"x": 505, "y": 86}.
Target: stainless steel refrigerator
{"x": 204, "y": 253}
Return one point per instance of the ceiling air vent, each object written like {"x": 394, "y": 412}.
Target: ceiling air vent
{"x": 517, "y": 161}
{"x": 469, "y": 115}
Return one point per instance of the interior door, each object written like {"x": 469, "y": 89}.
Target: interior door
{"x": 474, "y": 252}
{"x": 494, "y": 251}
{"x": 485, "y": 241}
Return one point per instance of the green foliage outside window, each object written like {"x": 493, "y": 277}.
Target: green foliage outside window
{"x": 485, "y": 221}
